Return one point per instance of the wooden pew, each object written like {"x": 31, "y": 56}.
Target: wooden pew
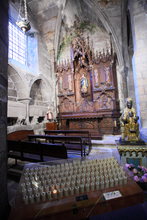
{"x": 20, "y": 135}
{"x": 35, "y": 152}
{"x": 74, "y": 143}
{"x": 84, "y": 134}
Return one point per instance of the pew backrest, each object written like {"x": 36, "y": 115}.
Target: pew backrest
{"x": 20, "y": 135}
{"x": 36, "y": 148}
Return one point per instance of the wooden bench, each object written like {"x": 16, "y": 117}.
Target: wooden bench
{"x": 35, "y": 152}
{"x": 19, "y": 135}
{"x": 84, "y": 134}
{"x": 72, "y": 143}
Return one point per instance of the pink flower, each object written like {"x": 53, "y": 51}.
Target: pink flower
{"x": 127, "y": 165}
{"x": 136, "y": 179}
{"x": 144, "y": 178}
{"x": 135, "y": 171}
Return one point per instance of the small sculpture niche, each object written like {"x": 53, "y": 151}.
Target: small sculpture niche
{"x": 96, "y": 78}
{"x": 84, "y": 85}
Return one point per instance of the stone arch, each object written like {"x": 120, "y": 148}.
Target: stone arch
{"x": 19, "y": 82}
{"x": 39, "y": 91}
{"x": 108, "y": 26}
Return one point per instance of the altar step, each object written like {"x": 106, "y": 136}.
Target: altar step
{"x": 106, "y": 140}
{"x": 96, "y": 137}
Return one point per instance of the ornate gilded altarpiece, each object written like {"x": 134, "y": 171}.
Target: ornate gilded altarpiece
{"x": 87, "y": 90}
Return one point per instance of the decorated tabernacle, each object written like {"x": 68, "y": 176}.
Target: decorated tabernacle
{"x": 73, "y": 189}
{"x": 133, "y": 154}
{"x": 87, "y": 89}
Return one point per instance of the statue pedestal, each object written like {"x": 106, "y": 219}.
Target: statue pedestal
{"x": 133, "y": 154}
{"x": 124, "y": 142}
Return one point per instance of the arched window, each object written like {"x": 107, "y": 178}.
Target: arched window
{"x": 17, "y": 43}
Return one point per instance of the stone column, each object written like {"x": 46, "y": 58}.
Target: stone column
{"x": 139, "y": 23}
{"x": 26, "y": 101}
{"x": 3, "y": 107}
{"x": 122, "y": 86}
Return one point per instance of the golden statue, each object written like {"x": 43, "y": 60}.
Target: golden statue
{"x": 129, "y": 125}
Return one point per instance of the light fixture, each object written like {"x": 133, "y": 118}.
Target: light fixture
{"x": 23, "y": 22}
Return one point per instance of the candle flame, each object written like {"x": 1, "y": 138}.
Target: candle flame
{"x": 54, "y": 191}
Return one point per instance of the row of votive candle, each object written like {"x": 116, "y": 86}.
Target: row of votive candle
{"x": 58, "y": 181}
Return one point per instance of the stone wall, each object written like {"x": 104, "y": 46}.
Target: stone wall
{"x": 139, "y": 24}
{"x": 3, "y": 107}
{"x": 25, "y": 77}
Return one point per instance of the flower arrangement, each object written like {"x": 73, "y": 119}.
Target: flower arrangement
{"x": 139, "y": 173}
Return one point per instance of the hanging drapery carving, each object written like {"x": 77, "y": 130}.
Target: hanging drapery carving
{"x": 87, "y": 87}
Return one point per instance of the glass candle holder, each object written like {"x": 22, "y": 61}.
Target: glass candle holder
{"x": 24, "y": 192}
{"x": 49, "y": 181}
{"x": 62, "y": 185}
{"x": 54, "y": 194}
{"x": 23, "y": 185}
{"x": 60, "y": 193}
{"x": 116, "y": 181}
{"x": 31, "y": 199}
{"x": 73, "y": 183}
{"x": 92, "y": 179}
{"x": 46, "y": 188}
{"x": 41, "y": 189}
{"x": 69, "y": 178}
{"x": 28, "y": 185}
{"x": 125, "y": 180}
{"x": 43, "y": 196}
{"x": 82, "y": 188}
{"x": 111, "y": 183}
{"x": 26, "y": 199}
{"x": 76, "y": 189}
{"x": 107, "y": 183}
{"x": 71, "y": 191}
{"x": 64, "y": 179}
{"x": 35, "y": 188}
{"x": 67, "y": 184}
{"x": 97, "y": 185}
{"x": 78, "y": 183}
{"x": 57, "y": 186}
{"x": 49, "y": 195}
{"x": 87, "y": 187}
{"x": 83, "y": 180}
{"x": 65, "y": 190}
{"x": 30, "y": 191}
{"x": 44, "y": 182}
{"x": 27, "y": 179}
{"x": 92, "y": 186}
{"x": 88, "y": 180}
{"x": 102, "y": 184}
